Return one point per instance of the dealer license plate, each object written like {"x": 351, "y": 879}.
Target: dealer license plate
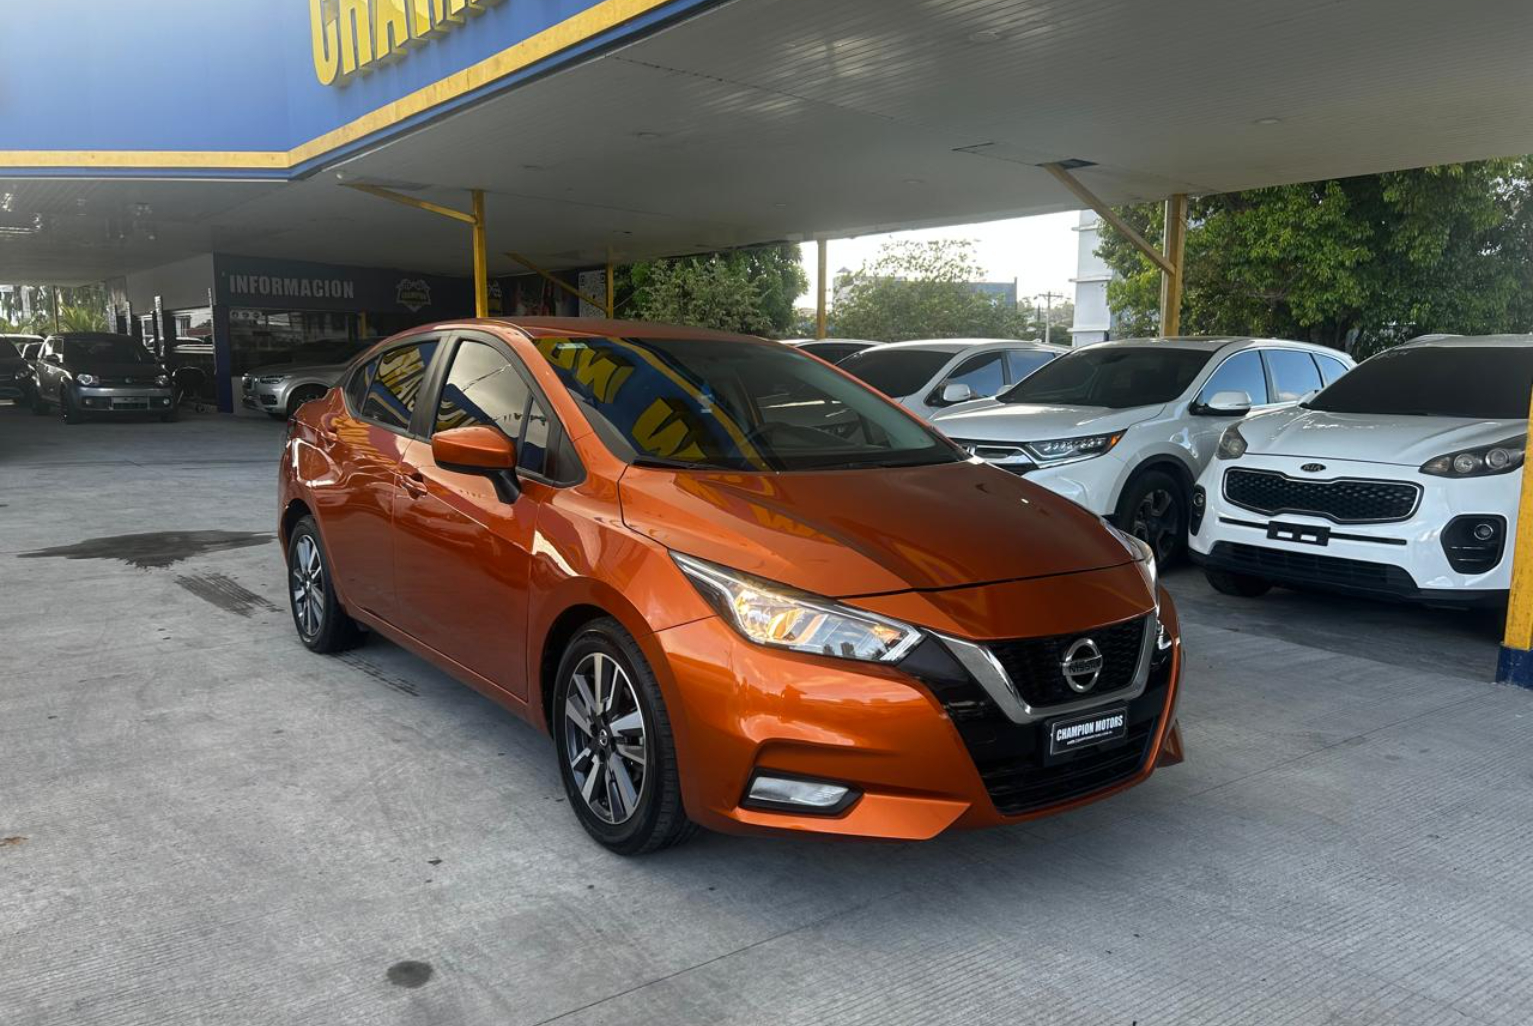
{"x": 1299, "y": 533}
{"x": 1088, "y": 729}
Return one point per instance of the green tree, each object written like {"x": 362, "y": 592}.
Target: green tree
{"x": 744, "y": 290}
{"x": 1357, "y": 263}
{"x": 916, "y": 290}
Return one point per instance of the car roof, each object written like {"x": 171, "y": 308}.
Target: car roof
{"x": 1208, "y": 343}
{"x": 26, "y": 338}
{"x": 829, "y": 341}
{"x": 1467, "y": 342}
{"x": 958, "y": 345}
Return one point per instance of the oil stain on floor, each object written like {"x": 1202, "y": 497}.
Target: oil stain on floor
{"x": 226, "y": 593}
{"x": 409, "y": 974}
{"x": 155, "y": 550}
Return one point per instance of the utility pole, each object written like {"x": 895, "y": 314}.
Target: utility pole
{"x": 1048, "y": 326}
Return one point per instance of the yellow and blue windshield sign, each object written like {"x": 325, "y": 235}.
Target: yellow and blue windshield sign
{"x": 278, "y": 87}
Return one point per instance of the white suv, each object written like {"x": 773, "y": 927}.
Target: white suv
{"x": 1125, "y": 428}
{"x": 925, "y": 377}
{"x": 1400, "y": 481}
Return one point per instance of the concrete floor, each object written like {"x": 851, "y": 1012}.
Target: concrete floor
{"x": 202, "y": 823}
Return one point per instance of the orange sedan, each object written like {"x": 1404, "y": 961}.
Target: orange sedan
{"x": 739, "y": 589}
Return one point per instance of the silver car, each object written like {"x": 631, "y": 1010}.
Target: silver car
{"x": 927, "y": 377}
{"x": 279, "y": 389}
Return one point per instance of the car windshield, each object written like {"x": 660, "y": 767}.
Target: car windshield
{"x": 1481, "y": 382}
{"x": 105, "y": 349}
{"x": 1114, "y": 377}
{"x": 896, "y": 372}
{"x": 714, "y": 404}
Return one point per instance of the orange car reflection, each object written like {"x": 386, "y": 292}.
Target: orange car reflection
{"x": 739, "y": 589}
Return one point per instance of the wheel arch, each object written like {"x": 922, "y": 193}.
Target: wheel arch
{"x": 1163, "y": 462}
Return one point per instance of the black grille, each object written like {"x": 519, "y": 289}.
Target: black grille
{"x": 1309, "y": 567}
{"x": 1018, "y": 786}
{"x": 1010, "y": 756}
{"x": 1033, "y": 664}
{"x": 1344, "y": 501}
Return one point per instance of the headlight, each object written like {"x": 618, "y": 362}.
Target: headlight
{"x": 162, "y": 379}
{"x": 780, "y": 617}
{"x": 1501, "y": 458}
{"x": 86, "y": 379}
{"x": 1070, "y": 450}
{"x": 1232, "y": 444}
{"x": 273, "y": 379}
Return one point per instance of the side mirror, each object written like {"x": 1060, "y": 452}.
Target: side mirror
{"x": 956, "y": 392}
{"x": 1228, "y": 404}
{"x": 53, "y": 358}
{"x": 479, "y": 450}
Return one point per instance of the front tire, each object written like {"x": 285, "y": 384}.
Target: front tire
{"x": 613, "y": 739}
{"x": 1238, "y": 585}
{"x": 72, "y": 413}
{"x": 322, "y": 623}
{"x": 307, "y": 394}
{"x": 1154, "y": 510}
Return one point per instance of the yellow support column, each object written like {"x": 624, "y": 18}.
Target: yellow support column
{"x": 819, "y": 309}
{"x": 1171, "y": 280}
{"x": 1516, "y": 663}
{"x": 481, "y": 259}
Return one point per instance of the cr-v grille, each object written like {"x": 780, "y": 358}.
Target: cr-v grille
{"x": 1345, "y": 500}
{"x": 1036, "y": 665}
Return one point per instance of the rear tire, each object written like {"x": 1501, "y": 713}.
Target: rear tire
{"x": 1239, "y": 585}
{"x": 606, "y": 701}
{"x": 322, "y": 623}
{"x": 1154, "y": 510}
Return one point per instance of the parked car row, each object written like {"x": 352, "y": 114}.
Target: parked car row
{"x": 83, "y": 374}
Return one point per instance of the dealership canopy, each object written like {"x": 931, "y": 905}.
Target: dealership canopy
{"x": 139, "y": 134}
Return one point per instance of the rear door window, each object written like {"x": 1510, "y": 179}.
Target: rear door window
{"x": 387, "y": 387}
{"x": 1293, "y": 374}
{"x": 1240, "y": 373}
{"x": 1330, "y": 369}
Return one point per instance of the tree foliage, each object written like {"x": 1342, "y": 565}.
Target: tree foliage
{"x": 1357, "y": 263}
{"x": 80, "y": 308}
{"x": 916, "y": 290}
{"x": 745, "y": 290}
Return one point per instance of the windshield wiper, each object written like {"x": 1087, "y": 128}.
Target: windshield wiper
{"x": 658, "y": 463}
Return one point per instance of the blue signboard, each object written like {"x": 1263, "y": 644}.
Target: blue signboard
{"x": 270, "y": 88}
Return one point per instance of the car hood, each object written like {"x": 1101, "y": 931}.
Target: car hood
{"x": 1025, "y": 422}
{"x": 288, "y": 370}
{"x": 867, "y": 532}
{"x": 1370, "y": 438}
{"x": 107, "y": 369}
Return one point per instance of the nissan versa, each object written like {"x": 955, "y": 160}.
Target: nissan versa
{"x": 739, "y": 588}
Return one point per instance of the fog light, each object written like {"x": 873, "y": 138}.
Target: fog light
{"x": 1484, "y": 532}
{"x": 1199, "y": 506}
{"x": 1475, "y": 544}
{"x": 790, "y": 794}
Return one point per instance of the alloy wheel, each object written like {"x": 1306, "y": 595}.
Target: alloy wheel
{"x": 1158, "y": 522}
{"x": 604, "y": 738}
{"x": 308, "y": 575}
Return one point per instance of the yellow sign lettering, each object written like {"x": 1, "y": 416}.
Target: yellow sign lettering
{"x": 356, "y": 18}
{"x": 327, "y": 53}
{"x": 391, "y": 28}
{"x": 349, "y": 36}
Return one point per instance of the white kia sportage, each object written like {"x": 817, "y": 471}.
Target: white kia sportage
{"x": 1399, "y": 481}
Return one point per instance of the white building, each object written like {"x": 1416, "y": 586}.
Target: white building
{"x": 1093, "y": 319}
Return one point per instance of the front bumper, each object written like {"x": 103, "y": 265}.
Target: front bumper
{"x": 125, "y": 399}
{"x": 923, "y": 755}
{"x": 1403, "y": 560}
{"x": 254, "y": 395}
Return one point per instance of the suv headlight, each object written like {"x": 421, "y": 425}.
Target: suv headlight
{"x": 781, "y": 617}
{"x": 1232, "y": 444}
{"x": 1071, "y": 450}
{"x": 162, "y": 379}
{"x": 1501, "y": 458}
{"x": 86, "y": 379}
{"x": 273, "y": 379}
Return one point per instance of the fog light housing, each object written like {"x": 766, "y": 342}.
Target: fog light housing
{"x": 1474, "y": 544}
{"x": 1199, "y": 506}
{"x": 780, "y": 792}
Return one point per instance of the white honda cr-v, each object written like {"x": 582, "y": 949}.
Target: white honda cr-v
{"x": 1125, "y": 428}
{"x": 1399, "y": 481}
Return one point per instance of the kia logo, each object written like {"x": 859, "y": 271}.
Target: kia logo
{"x": 1312, "y": 468}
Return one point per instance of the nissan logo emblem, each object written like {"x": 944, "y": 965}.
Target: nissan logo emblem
{"x": 1312, "y": 468}
{"x": 1082, "y": 665}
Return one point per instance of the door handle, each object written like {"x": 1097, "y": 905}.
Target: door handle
{"x": 413, "y": 481}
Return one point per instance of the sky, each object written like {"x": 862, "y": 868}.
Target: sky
{"x": 1039, "y": 252}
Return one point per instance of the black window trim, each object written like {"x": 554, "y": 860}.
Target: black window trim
{"x": 427, "y": 382}
{"x": 558, "y": 435}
